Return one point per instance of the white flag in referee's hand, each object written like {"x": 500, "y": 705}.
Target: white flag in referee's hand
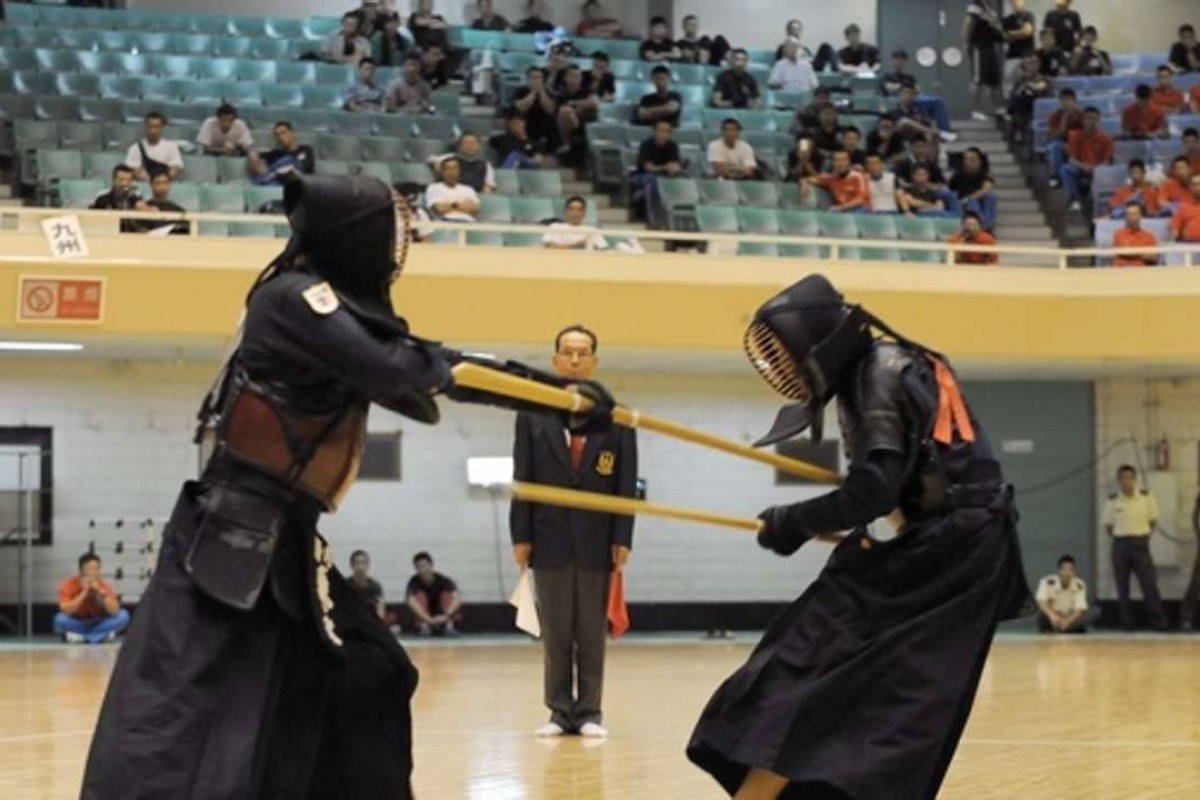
{"x": 522, "y": 598}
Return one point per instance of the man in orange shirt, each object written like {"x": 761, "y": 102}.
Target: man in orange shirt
{"x": 1185, "y": 225}
{"x": 1087, "y": 148}
{"x": 1141, "y": 119}
{"x": 972, "y": 233}
{"x": 847, "y": 185}
{"x": 1137, "y": 191}
{"x": 1134, "y": 235}
{"x": 1191, "y": 147}
{"x": 1063, "y": 120}
{"x": 1167, "y": 97}
{"x": 88, "y": 608}
{"x": 1194, "y": 97}
{"x": 1174, "y": 190}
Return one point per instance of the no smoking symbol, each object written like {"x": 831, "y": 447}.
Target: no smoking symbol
{"x": 39, "y": 299}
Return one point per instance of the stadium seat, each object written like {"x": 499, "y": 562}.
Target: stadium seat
{"x": 186, "y": 194}
{"x": 17, "y": 58}
{"x": 243, "y": 93}
{"x": 1124, "y": 151}
{"x": 256, "y": 71}
{"x": 332, "y": 166}
{"x": 870, "y": 254}
{"x": 713, "y": 191}
{"x": 485, "y": 238}
{"x": 54, "y": 165}
{"x": 410, "y": 173}
{"x": 56, "y": 108}
{"x": 523, "y": 240}
{"x": 201, "y": 169}
{"x": 217, "y": 69}
{"x": 762, "y": 194}
{"x": 163, "y": 90}
{"x": 120, "y": 87}
{"x": 916, "y": 229}
{"x": 361, "y": 124}
{"x": 77, "y": 84}
{"x": 51, "y": 61}
{"x": 79, "y": 193}
{"x": 803, "y": 251}
{"x": 76, "y": 38}
{"x": 232, "y": 170}
{"x": 447, "y": 103}
{"x": 318, "y": 28}
{"x": 544, "y": 183}
{"x": 152, "y": 42}
{"x": 382, "y": 148}
{"x": 440, "y": 128}
{"x": 192, "y": 44}
{"x": 717, "y": 219}
{"x": 946, "y": 227}
{"x": 421, "y": 150}
{"x": 281, "y": 95}
{"x": 494, "y": 208}
{"x": 270, "y": 49}
{"x": 373, "y": 169}
{"x": 877, "y": 226}
{"x": 922, "y": 256}
{"x": 296, "y": 72}
{"x": 762, "y": 249}
{"x": 99, "y": 164}
{"x": 277, "y": 28}
{"x": 32, "y": 134}
{"x": 679, "y": 196}
{"x": 763, "y": 221}
{"x": 219, "y": 229}
{"x": 508, "y": 182}
{"x": 532, "y": 210}
{"x": 222, "y": 199}
{"x": 326, "y": 97}
{"x": 800, "y": 223}
{"x": 34, "y": 81}
{"x": 258, "y": 196}
{"x": 76, "y": 135}
{"x": 338, "y": 75}
{"x": 346, "y": 148}
{"x": 838, "y": 226}
{"x": 232, "y": 47}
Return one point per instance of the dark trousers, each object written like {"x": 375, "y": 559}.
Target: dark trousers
{"x": 1187, "y": 611}
{"x": 573, "y": 611}
{"x": 1131, "y": 554}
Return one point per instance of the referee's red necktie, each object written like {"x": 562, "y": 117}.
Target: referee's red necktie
{"x": 577, "y": 443}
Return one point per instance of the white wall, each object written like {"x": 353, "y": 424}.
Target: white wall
{"x": 123, "y": 446}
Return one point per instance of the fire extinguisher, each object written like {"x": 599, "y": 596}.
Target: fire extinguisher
{"x": 1162, "y": 455}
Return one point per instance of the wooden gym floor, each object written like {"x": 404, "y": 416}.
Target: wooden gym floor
{"x": 1101, "y": 718}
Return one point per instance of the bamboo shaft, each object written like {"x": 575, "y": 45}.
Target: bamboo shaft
{"x": 627, "y": 506}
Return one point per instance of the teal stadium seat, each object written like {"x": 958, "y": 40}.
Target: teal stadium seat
{"x": 759, "y": 221}
{"x": 494, "y": 208}
{"x": 232, "y": 47}
{"x": 76, "y": 135}
{"x": 201, "y": 169}
{"x": 877, "y": 226}
{"x": 257, "y": 196}
{"x": 917, "y": 229}
{"x": 532, "y": 210}
{"x": 360, "y": 124}
{"x": 838, "y": 226}
{"x": 410, "y": 173}
{"x": 346, "y": 148}
{"x": 421, "y": 150}
{"x": 79, "y": 193}
{"x": 296, "y": 72}
{"x": 281, "y": 95}
{"x": 34, "y": 82}
{"x": 328, "y": 97}
{"x": 187, "y": 195}
{"x": 223, "y": 199}
{"x": 218, "y": 69}
{"x": 332, "y": 166}
{"x": 383, "y": 148}
{"x": 508, "y": 181}
{"x": 523, "y": 240}
{"x": 800, "y": 223}
{"x": 57, "y": 108}
{"x": 99, "y": 165}
{"x": 717, "y": 219}
{"x": 761, "y": 249}
{"x": 232, "y": 170}
{"x": 485, "y": 238}
{"x": 713, "y": 191}
{"x": 762, "y": 194}
{"x": 77, "y": 84}
{"x": 192, "y": 44}
{"x": 536, "y": 182}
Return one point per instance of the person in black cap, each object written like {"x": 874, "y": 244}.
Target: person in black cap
{"x": 251, "y": 669}
{"x": 862, "y": 687}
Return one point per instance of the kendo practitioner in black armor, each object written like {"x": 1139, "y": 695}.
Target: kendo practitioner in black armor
{"x": 252, "y": 671}
{"x": 862, "y": 687}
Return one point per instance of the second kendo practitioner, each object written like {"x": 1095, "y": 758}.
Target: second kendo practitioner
{"x": 252, "y": 671}
{"x": 862, "y": 687}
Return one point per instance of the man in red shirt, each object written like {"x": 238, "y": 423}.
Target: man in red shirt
{"x": 1087, "y": 149}
{"x": 1185, "y": 225}
{"x": 1134, "y": 235}
{"x": 1141, "y": 119}
{"x": 1174, "y": 190}
{"x": 1194, "y": 98}
{"x": 88, "y": 608}
{"x": 1063, "y": 120}
{"x": 1191, "y": 147}
{"x": 847, "y": 185}
{"x": 1167, "y": 97}
{"x": 1137, "y": 192}
{"x": 972, "y": 233}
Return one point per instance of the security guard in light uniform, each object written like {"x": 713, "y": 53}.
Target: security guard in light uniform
{"x": 252, "y": 671}
{"x": 1130, "y": 517}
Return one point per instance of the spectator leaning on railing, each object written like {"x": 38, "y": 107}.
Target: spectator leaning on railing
{"x": 1132, "y": 234}
{"x": 572, "y": 234}
{"x": 972, "y": 233}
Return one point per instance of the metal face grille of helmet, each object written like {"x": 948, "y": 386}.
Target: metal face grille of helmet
{"x": 774, "y": 363}
{"x": 404, "y": 226}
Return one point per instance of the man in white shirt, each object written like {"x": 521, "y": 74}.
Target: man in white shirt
{"x": 792, "y": 73}
{"x": 1130, "y": 517}
{"x": 154, "y": 154}
{"x": 450, "y": 200}
{"x": 729, "y": 157}
{"x": 346, "y": 45}
{"x": 883, "y": 186}
{"x": 573, "y": 234}
{"x": 225, "y": 134}
{"x": 1062, "y": 600}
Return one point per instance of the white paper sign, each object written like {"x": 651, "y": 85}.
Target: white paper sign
{"x": 65, "y": 237}
{"x": 522, "y": 598}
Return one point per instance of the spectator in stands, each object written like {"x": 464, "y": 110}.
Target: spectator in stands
{"x": 658, "y": 156}
{"x": 975, "y": 188}
{"x": 1130, "y": 517}
{"x": 600, "y": 79}
{"x": 596, "y": 23}
{"x": 539, "y": 106}
{"x": 1185, "y": 54}
{"x": 935, "y": 108}
{"x": 224, "y": 134}
{"x": 809, "y": 116}
{"x": 922, "y": 153}
{"x": 881, "y": 183}
{"x": 556, "y": 68}
{"x": 885, "y": 142}
{"x": 370, "y": 18}
{"x": 433, "y": 598}
{"x": 793, "y": 73}
{"x": 487, "y": 19}
{"x": 572, "y": 234}
{"x": 88, "y": 608}
{"x": 451, "y": 201}
{"x": 577, "y": 106}
{"x": 1134, "y": 235}
{"x": 1030, "y": 85}
{"x": 393, "y": 42}
{"x": 729, "y": 157}
{"x": 1138, "y": 191}
{"x": 1166, "y": 96}
{"x": 852, "y": 144}
{"x": 826, "y": 137}
{"x": 972, "y": 233}
{"x": 735, "y": 87}
{"x": 1065, "y": 23}
{"x": 154, "y": 154}
{"x": 1087, "y": 148}
{"x": 1062, "y": 600}
{"x": 160, "y": 200}
{"x": 514, "y": 148}
{"x": 659, "y": 46}
{"x": 662, "y": 103}
{"x": 474, "y": 170}
{"x": 847, "y": 186}
{"x": 410, "y": 92}
{"x": 825, "y": 56}
{"x": 1063, "y": 120}
{"x": 983, "y": 32}
{"x": 1088, "y": 59}
{"x": 919, "y": 196}
{"x": 1174, "y": 190}
{"x": 1053, "y": 61}
{"x": 911, "y": 121}
{"x": 1185, "y": 222}
{"x": 1141, "y": 119}
{"x": 801, "y": 168}
{"x": 346, "y": 45}
{"x": 364, "y": 94}
{"x": 435, "y": 67}
{"x": 535, "y": 19}
{"x": 288, "y": 156}
{"x": 1191, "y": 148}
{"x": 857, "y": 56}
{"x": 363, "y": 584}
{"x": 427, "y": 28}
{"x": 1020, "y": 32}
{"x": 121, "y": 196}
{"x": 697, "y": 49}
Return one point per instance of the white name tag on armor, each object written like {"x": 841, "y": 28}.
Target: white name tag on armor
{"x": 321, "y": 299}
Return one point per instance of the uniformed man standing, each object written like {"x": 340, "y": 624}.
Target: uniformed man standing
{"x": 1062, "y": 600}
{"x": 1130, "y": 517}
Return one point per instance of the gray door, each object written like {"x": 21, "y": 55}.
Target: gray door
{"x": 937, "y": 25}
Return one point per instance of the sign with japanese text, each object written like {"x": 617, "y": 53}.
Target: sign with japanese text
{"x": 72, "y": 300}
{"x": 65, "y": 237}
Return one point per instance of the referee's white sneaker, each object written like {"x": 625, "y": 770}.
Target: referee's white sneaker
{"x": 550, "y": 730}
{"x": 593, "y": 730}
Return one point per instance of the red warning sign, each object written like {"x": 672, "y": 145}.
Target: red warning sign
{"x": 62, "y": 300}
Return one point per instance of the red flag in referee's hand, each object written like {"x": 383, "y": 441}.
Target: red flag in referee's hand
{"x": 618, "y": 612}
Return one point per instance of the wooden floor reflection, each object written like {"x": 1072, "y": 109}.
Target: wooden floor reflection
{"x": 1080, "y": 718}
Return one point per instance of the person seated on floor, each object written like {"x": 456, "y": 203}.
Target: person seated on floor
{"x": 88, "y": 607}
{"x": 433, "y": 599}
{"x": 1062, "y": 600}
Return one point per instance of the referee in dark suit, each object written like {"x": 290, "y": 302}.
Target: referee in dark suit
{"x": 572, "y": 552}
